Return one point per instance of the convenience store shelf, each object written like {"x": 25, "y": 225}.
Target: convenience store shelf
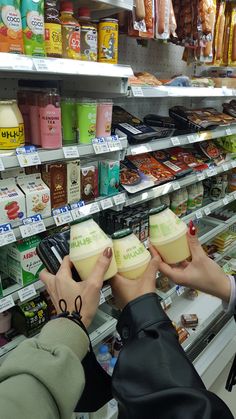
{"x": 222, "y": 226}
{"x": 172, "y": 91}
{"x": 225, "y": 253}
{"x": 162, "y": 144}
{"x": 167, "y": 188}
{"x": 10, "y": 160}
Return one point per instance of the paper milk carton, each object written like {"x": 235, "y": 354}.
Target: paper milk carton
{"x": 73, "y": 181}
{"x": 12, "y": 202}
{"x": 109, "y": 177}
{"x": 37, "y": 195}
{"x": 23, "y": 261}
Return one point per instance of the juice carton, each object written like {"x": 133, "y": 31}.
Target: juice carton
{"x": 23, "y": 261}
{"x": 73, "y": 181}
{"x": 55, "y": 177}
{"x": 12, "y": 202}
{"x": 37, "y": 195}
{"x": 109, "y": 177}
{"x": 89, "y": 181}
{"x": 32, "y": 12}
{"x": 11, "y": 39}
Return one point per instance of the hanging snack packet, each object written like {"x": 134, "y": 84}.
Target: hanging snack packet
{"x": 219, "y": 33}
{"x": 232, "y": 40}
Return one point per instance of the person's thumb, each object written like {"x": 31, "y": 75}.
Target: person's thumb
{"x": 101, "y": 267}
{"x": 194, "y": 244}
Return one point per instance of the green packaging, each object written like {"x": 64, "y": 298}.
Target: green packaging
{"x": 86, "y": 121}
{"x": 68, "y": 116}
{"x": 32, "y": 12}
{"x": 109, "y": 177}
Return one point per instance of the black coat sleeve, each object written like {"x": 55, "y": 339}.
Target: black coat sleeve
{"x": 153, "y": 378}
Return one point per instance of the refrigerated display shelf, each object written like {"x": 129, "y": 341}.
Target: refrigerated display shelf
{"x": 162, "y": 144}
{"x": 174, "y": 91}
{"x": 220, "y": 256}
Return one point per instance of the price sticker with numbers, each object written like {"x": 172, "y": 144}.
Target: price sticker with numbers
{"x": 211, "y": 172}
{"x": 28, "y": 156}
{"x": 137, "y": 91}
{"x": 32, "y": 225}
{"x": 62, "y": 215}
{"x": 200, "y": 176}
{"x": 106, "y": 203}
{"x": 192, "y": 138}
{"x": 2, "y": 168}
{"x": 93, "y": 208}
{"x": 176, "y": 186}
{"x": 40, "y": 64}
{"x": 207, "y": 211}
{"x": 27, "y": 292}
{"x": 76, "y": 210}
{"x": 175, "y": 141}
{"x": 225, "y": 167}
{"x": 114, "y": 143}
{"x": 198, "y": 215}
{"x": 119, "y": 199}
{"x": 179, "y": 290}
{"x": 71, "y": 152}
{"x": 144, "y": 148}
{"x": 6, "y": 303}
{"x": 7, "y": 235}
{"x": 100, "y": 145}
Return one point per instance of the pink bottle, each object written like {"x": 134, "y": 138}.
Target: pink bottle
{"x": 50, "y": 119}
{"x": 34, "y": 118}
{"x": 104, "y": 118}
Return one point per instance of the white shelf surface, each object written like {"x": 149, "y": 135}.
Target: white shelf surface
{"x": 162, "y": 144}
{"x": 172, "y": 91}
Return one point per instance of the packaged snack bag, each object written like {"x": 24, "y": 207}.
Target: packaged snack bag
{"x": 232, "y": 40}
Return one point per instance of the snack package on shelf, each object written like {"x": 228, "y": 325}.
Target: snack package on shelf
{"x": 213, "y": 151}
{"x": 141, "y": 20}
{"x": 175, "y": 165}
{"x": 29, "y": 317}
{"x": 232, "y": 39}
{"x": 219, "y": 33}
{"x": 162, "y": 29}
{"x": 132, "y": 179}
{"x": 208, "y": 15}
{"x": 153, "y": 169}
{"x": 37, "y": 195}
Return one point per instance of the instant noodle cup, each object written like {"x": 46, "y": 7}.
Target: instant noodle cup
{"x": 87, "y": 242}
{"x": 168, "y": 235}
{"x": 132, "y": 257}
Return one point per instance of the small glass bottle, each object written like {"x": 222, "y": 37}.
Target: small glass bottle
{"x": 53, "y": 41}
{"x": 50, "y": 119}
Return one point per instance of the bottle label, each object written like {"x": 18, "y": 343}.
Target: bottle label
{"x": 71, "y": 37}
{"x": 89, "y": 43}
{"x": 50, "y": 119}
{"x": 53, "y": 43}
{"x": 35, "y": 23}
{"x": 11, "y": 137}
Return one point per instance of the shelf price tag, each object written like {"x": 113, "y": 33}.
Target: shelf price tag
{"x": 28, "y": 156}
{"x": 144, "y": 148}
{"x": 100, "y": 145}
{"x": 2, "y": 168}
{"x": 27, "y": 292}
{"x": 228, "y": 131}
{"x": 175, "y": 141}
{"x": 32, "y": 225}
{"x": 200, "y": 176}
{"x": 22, "y": 63}
{"x": 102, "y": 298}
{"x": 179, "y": 290}
{"x": 233, "y": 163}
{"x": 76, "y": 210}
{"x": 192, "y": 138}
{"x": 207, "y": 211}
{"x": 211, "y": 172}
{"x": 93, "y": 208}
{"x": 176, "y": 186}
{"x": 225, "y": 167}
{"x": 225, "y": 201}
{"x": 114, "y": 143}
{"x": 40, "y": 64}
{"x": 167, "y": 302}
{"x": 6, "y": 303}
{"x": 62, "y": 215}
{"x": 137, "y": 91}
{"x": 7, "y": 235}
{"x": 119, "y": 199}
{"x": 106, "y": 203}
{"x": 198, "y": 215}
{"x": 71, "y": 152}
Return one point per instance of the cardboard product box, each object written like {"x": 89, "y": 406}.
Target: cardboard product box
{"x": 73, "y": 181}
{"x": 12, "y": 202}
{"x": 109, "y": 177}
{"x": 23, "y": 261}
{"x": 89, "y": 181}
{"x": 37, "y": 195}
{"x": 17, "y": 171}
{"x": 55, "y": 177}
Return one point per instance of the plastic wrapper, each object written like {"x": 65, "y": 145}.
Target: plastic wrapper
{"x": 232, "y": 41}
{"x": 174, "y": 164}
{"x": 162, "y": 30}
{"x": 219, "y": 33}
{"x": 226, "y": 39}
{"x": 152, "y": 168}
{"x": 209, "y": 19}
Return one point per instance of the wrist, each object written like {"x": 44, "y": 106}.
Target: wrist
{"x": 222, "y": 289}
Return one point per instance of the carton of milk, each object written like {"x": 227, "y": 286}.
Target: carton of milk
{"x": 37, "y": 195}
{"x": 23, "y": 262}
{"x": 73, "y": 181}
{"x": 109, "y": 177}
{"x": 12, "y": 202}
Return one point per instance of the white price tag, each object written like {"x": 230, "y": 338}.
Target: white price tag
{"x": 6, "y": 303}
{"x": 198, "y": 215}
{"x": 7, "y": 235}
{"x": 200, "y": 176}
{"x": 225, "y": 167}
{"x": 32, "y": 225}
{"x": 119, "y": 199}
{"x": 211, "y": 172}
{"x": 76, "y": 210}
{"x": 2, "y": 168}
{"x": 228, "y": 131}
{"x": 225, "y": 201}
{"x": 168, "y": 302}
{"x": 93, "y": 208}
{"x": 175, "y": 141}
{"x": 102, "y": 298}
{"x": 179, "y": 290}
{"x": 22, "y": 63}
{"x": 71, "y": 152}
{"x": 192, "y": 138}
{"x": 100, "y": 145}
{"x": 62, "y": 216}
{"x": 176, "y": 186}
{"x": 26, "y": 293}
{"x": 106, "y": 203}
{"x": 233, "y": 163}
{"x": 114, "y": 143}
{"x": 28, "y": 156}
{"x": 40, "y": 64}
{"x": 207, "y": 211}
{"x": 137, "y": 91}
{"x": 144, "y": 148}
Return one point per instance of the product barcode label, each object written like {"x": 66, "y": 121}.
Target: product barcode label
{"x": 137, "y": 91}
{"x": 62, "y": 215}
{"x": 100, "y": 145}
{"x": 199, "y": 215}
{"x": 28, "y": 156}
{"x": 71, "y": 152}
{"x": 176, "y": 186}
{"x": 145, "y": 148}
{"x": 7, "y": 235}
{"x": 192, "y": 138}
{"x": 207, "y": 211}
{"x": 26, "y": 293}
{"x": 102, "y": 298}
{"x": 175, "y": 141}
{"x": 179, "y": 290}
{"x": 6, "y": 303}
{"x": 2, "y": 168}
{"x": 114, "y": 143}
{"x": 106, "y": 203}
{"x": 119, "y": 199}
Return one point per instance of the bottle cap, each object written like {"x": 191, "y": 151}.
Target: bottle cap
{"x": 103, "y": 349}
{"x": 121, "y": 234}
{"x": 66, "y": 6}
{"x": 84, "y": 13}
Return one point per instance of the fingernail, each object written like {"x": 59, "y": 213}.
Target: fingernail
{"x": 192, "y": 228}
{"x": 108, "y": 252}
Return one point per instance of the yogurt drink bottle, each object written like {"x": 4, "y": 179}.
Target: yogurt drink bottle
{"x": 87, "y": 243}
{"x": 132, "y": 257}
{"x": 168, "y": 235}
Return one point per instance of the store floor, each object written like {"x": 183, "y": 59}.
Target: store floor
{"x": 219, "y": 388}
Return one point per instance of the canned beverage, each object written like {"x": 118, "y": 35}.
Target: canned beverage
{"x": 108, "y": 41}
{"x": 88, "y": 42}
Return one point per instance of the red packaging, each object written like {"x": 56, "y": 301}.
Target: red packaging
{"x": 174, "y": 164}
{"x": 152, "y": 168}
